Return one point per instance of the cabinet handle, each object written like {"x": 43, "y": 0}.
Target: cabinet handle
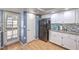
{"x": 61, "y": 37}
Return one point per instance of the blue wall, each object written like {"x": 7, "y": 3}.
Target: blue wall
{"x": 37, "y": 26}
{"x": 23, "y": 31}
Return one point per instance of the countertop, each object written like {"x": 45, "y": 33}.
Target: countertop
{"x": 73, "y": 33}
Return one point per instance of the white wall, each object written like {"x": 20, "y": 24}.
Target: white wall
{"x": 46, "y": 16}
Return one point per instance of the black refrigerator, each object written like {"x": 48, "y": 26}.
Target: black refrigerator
{"x": 44, "y": 27}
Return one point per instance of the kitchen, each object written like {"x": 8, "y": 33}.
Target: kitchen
{"x": 62, "y": 27}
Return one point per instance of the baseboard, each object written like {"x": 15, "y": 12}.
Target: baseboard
{"x": 59, "y": 46}
{"x": 12, "y": 42}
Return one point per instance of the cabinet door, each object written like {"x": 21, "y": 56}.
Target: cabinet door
{"x": 57, "y": 18}
{"x": 54, "y": 18}
{"x": 77, "y": 38}
{"x": 55, "y": 37}
{"x": 52, "y": 37}
{"x": 60, "y": 17}
{"x": 69, "y": 42}
{"x": 60, "y": 39}
{"x": 69, "y": 16}
{"x": 77, "y": 44}
{"x": 77, "y": 15}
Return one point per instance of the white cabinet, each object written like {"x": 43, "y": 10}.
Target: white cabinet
{"x": 55, "y": 37}
{"x": 77, "y": 15}
{"x": 69, "y": 41}
{"x": 57, "y": 18}
{"x": 64, "y": 17}
{"x": 69, "y": 16}
{"x": 77, "y": 38}
{"x": 65, "y": 40}
{"x": 77, "y": 44}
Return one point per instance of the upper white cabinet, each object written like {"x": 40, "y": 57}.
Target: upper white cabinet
{"x": 77, "y": 15}
{"x": 57, "y": 18}
{"x": 63, "y": 17}
{"x": 69, "y": 16}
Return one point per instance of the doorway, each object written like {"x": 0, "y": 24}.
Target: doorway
{"x": 10, "y": 27}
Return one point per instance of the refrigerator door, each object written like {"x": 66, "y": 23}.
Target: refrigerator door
{"x": 44, "y": 26}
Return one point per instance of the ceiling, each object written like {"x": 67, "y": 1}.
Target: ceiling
{"x": 40, "y": 11}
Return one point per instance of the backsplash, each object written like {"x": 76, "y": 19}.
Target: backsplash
{"x": 55, "y": 27}
{"x": 69, "y": 28}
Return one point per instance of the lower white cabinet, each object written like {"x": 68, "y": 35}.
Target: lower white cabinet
{"x": 59, "y": 39}
{"x": 77, "y": 43}
{"x": 69, "y": 41}
{"x": 52, "y": 37}
{"x": 55, "y": 37}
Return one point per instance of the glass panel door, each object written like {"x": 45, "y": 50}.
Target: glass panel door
{"x": 1, "y": 29}
{"x": 11, "y": 27}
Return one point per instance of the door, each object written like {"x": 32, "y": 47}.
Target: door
{"x": 30, "y": 27}
{"x": 1, "y": 33}
{"x": 10, "y": 27}
{"x": 44, "y": 26}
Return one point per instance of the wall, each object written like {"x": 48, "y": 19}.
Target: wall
{"x": 27, "y": 27}
{"x": 23, "y": 27}
{"x": 37, "y": 26}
